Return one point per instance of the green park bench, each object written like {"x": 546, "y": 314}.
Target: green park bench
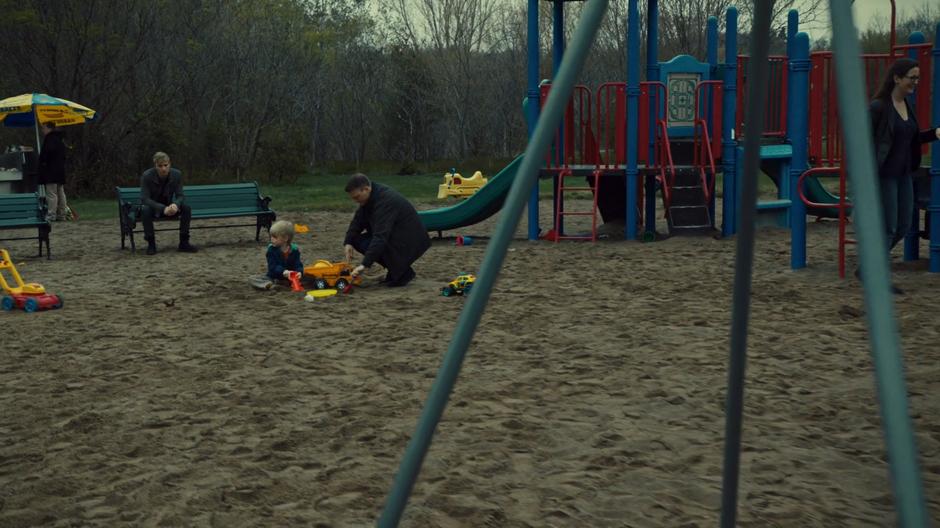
{"x": 230, "y": 200}
{"x": 26, "y": 211}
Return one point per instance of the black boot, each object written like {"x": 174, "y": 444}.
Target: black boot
{"x": 405, "y": 278}
{"x": 151, "y": 247}
{"x": 186, "y": 247}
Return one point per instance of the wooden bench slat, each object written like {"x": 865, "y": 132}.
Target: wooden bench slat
{"x": 25, "y": 222}
{"x": 26, "y": 211}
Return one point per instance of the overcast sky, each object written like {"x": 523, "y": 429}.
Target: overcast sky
{"x": 865, "y": 10}
{"x": 868, "y": 10}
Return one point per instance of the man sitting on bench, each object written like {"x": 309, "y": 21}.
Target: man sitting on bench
{"x": 161, "y": 195}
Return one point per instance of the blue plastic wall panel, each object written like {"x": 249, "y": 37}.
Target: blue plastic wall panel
{"x": 681, "y": 75}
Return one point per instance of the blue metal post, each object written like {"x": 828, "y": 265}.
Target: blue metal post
{"x": 797, "y": 130}
{"x": 558, "y": 53}
{"x": 493, "y": 259}
{"x": 783, "y": 189}
{"x": 879, "y": 305}
{"x": 729, "y": 206}
{"x": 793, "y": 26}
{"x": 912, "y": 237}
{"x": 711, "y": 39}
{"x": 532, "y": 109}
{"x": 934, "y": 207}
{"x": 711, "y": 46}
{"x": 652, "y": 74}
{"x": 633, "y": 111}
{"x": 558, "y": 35}
{"x": 758, "y": 75}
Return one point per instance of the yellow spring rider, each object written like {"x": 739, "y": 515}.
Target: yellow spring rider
{"x": 456, "y": 185}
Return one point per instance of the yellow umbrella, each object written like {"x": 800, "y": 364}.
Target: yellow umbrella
{"x": 23, "y": 111}
{"x": 29, "y": 110}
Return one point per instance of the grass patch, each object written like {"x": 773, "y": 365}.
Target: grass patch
{"x": 324, "y": 191}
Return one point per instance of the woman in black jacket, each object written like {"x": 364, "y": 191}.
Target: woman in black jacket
{"x": 52, "y": 171}
{"x": 897, "y": 141}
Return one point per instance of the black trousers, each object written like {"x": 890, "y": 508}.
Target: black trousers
{"x": 149, "y": 214}
{"x": 397, "y": 266}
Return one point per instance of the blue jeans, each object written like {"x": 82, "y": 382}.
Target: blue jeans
{"x": 897, "y": 202}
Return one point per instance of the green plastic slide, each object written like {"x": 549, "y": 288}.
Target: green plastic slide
{"x": 478, "y": 207}
{"x": 772, "y": 159}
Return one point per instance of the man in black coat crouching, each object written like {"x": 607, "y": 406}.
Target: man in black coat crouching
{"x": 385, "y": 229}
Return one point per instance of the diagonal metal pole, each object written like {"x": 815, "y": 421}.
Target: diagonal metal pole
{"x": 875, "y": 268}
{"x": 759, "y": 73}
{"x": 496, "y": 250}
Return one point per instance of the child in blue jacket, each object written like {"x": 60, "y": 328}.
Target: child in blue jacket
{"x": 282, "y": 255}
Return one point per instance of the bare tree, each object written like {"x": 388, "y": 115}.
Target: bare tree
{"x": 456, "y": 32}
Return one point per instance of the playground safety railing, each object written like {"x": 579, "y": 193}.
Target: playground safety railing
{"x": 708, "y": 107}
{"x": 825, "y": 134}
{"x": 843, "y": 206}
{"x": 825, "y": 138}
{"x": 574, "y": 141}
{"x": 611, "y": 120}
{"x": 775, "y": 111}
{"x": 653, "y": 98}
{"x": 664, "y": 162}
{"x": 704, "y": 161}
{"x": 707, "y": 117}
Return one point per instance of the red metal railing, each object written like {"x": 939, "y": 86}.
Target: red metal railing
{"x": 579, "y": 145}
{"x": 664, "y": 161}
{"x": 825, "y": 134}
{"x": 711, "y": 112}
{"x": 611, "y": 104}
{"x": 652, "y": 94}
{"x": 704, "y": 159}
{"x": 705, "y": 148}
{"x": 611, "y": 122}
{"x": 775, "y": 111}
{"x": 844, "y": 206}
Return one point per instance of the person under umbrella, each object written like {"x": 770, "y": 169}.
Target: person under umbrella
{"x": 52, "y": 172}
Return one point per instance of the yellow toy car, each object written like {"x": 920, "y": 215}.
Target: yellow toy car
{"x": 459, "y": 286}
{"x": 326, "y": 274}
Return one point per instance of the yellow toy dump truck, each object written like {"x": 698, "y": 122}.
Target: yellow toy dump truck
{"x": 456, "y": 185}
{"x": 325, "y": 274}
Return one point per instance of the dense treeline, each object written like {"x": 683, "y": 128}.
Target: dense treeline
{"x": 271, "y": 88}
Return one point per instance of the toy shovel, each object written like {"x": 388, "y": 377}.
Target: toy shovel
{"x": 295, "y": 282}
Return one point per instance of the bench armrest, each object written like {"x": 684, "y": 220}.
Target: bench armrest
{"x": 129, "y": 215}
{"x": 43, "y": 208}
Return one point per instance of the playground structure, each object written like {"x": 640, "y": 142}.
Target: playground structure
{"x": 31, "y": 297}
{"x": 544, "y": 131}
{"x": 688, "y": 118}
{"x": 689, "y": 121}
{"x": 458, "y": 186}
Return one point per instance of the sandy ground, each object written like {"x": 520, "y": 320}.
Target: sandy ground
{"x": 167, "y": 392}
